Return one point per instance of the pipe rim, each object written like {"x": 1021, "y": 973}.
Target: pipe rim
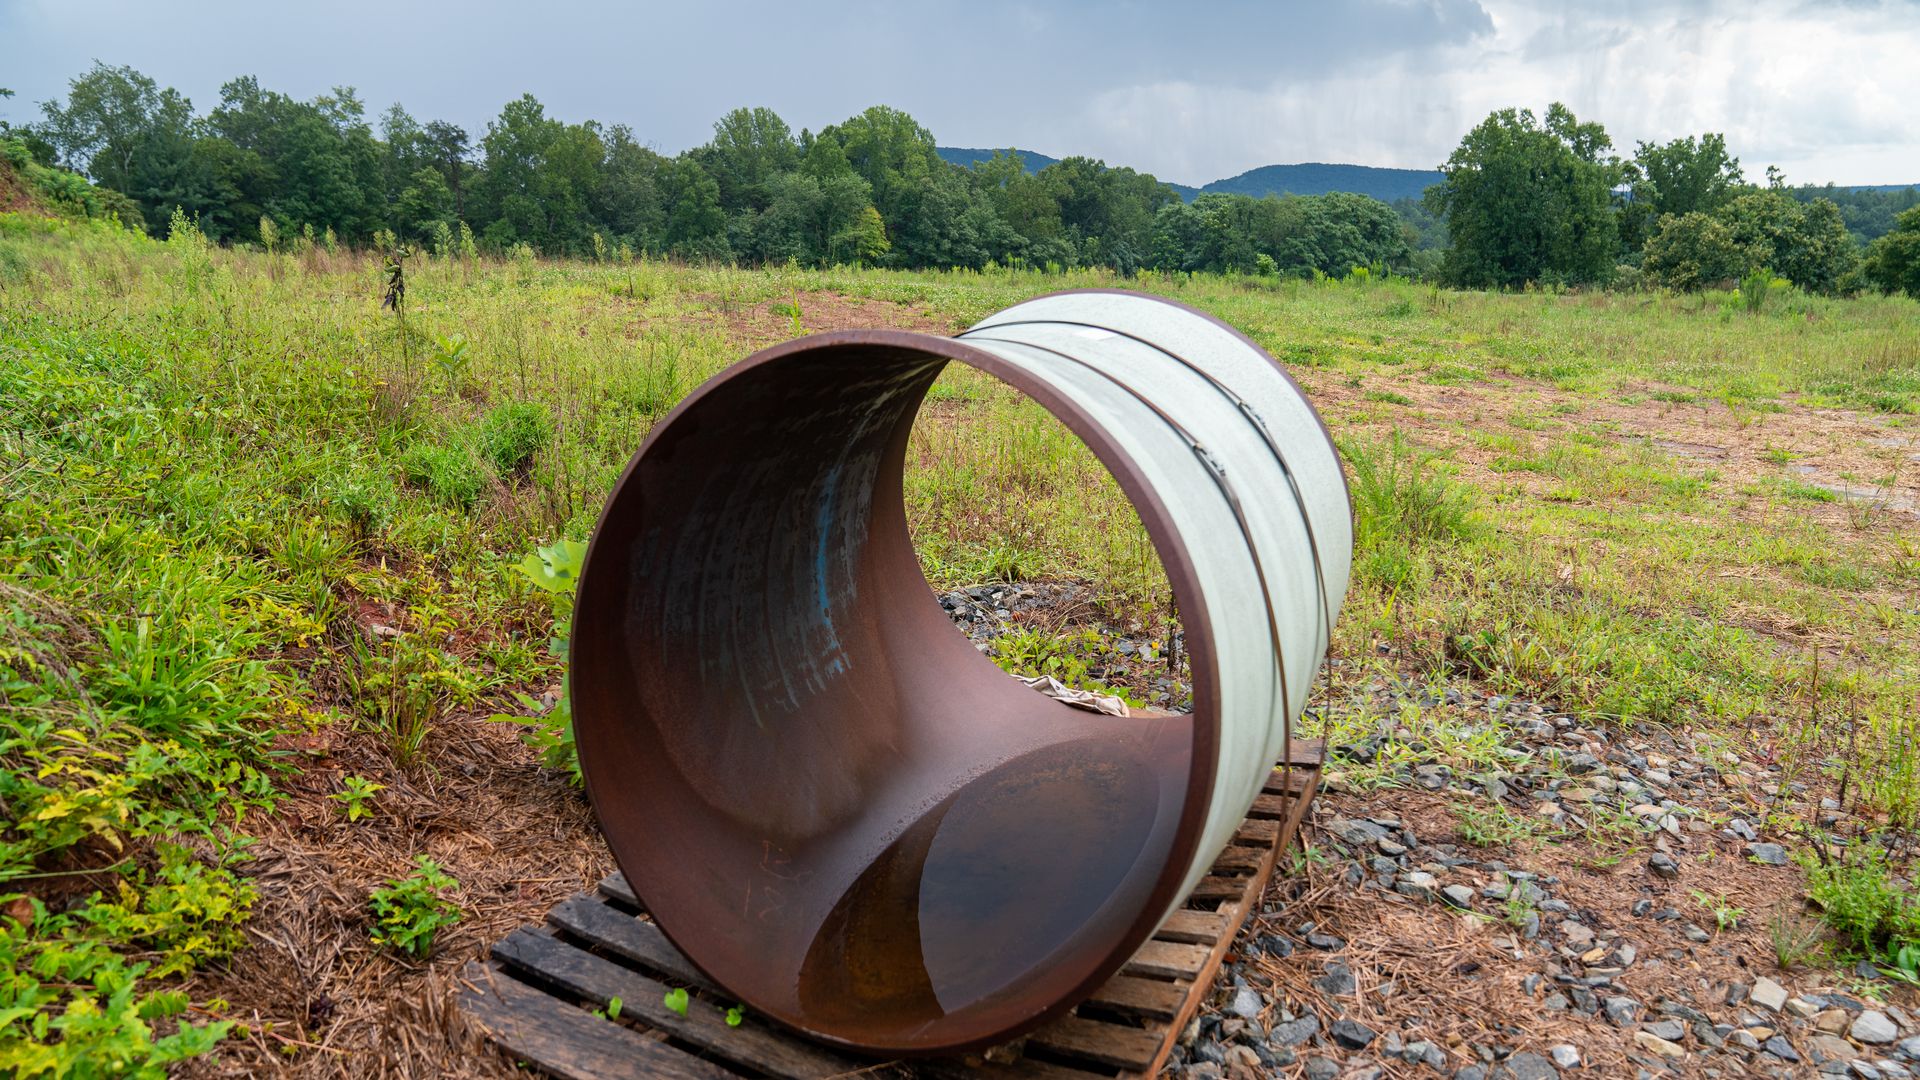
{"x": 1176, "y": 560}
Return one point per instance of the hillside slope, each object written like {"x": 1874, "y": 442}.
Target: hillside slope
{"x": 26, "y": 186}
{"x": 967, "y": 157}
{"x": 1312, "y": 178}
{"x": 1318, "y": 178}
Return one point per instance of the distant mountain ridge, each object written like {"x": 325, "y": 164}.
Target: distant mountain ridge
{"x": 1318, "y": 178}
{"x": 1306, "y": 178}
{"x": 1312, "y": 178}
{"x": 967, "y": 157}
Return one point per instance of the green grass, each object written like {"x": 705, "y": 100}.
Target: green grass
{"x": 214, "y": 464}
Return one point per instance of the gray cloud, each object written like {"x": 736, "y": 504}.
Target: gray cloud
{"x": 1189, "y": 92}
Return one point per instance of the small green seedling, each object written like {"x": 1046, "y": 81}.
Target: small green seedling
{"x": 735, "y": 1015}
{"x": 676, "y": 1000}
{"x": 1725, "y": 915}
{"x": 611, "y": 1012}
{"x": 359, "y": 791}
{"x": 409, "y": 911}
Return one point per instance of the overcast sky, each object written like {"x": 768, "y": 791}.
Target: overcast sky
{"x": 1192, "y": 92}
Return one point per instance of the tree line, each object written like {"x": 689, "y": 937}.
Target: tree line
{"x": 261, "y": 165}
{"x": 1524, "y": 199}
{"x": 1530, "y": 199}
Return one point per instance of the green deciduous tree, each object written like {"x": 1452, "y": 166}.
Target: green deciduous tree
{"x": 751, "y": 149}
{"x": 1684, "y": 175}
{"x": 696, "y": 225}
{"x": 109, "y": 114}
{"x": 539, "y": 179}
{"x": 423, "y": 203}
{"x": 628, "y": 202}
{"x": 1806, "y": 243}
{"x": 308, "y": 163}
{"x": 1893, "y": 263}
{"x": 1527, "y": 200}
{"x": 1695, "y": 250}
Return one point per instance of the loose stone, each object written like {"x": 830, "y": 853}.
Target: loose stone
{"x": 1622, "y": 1010}
{"x": 1781, "y": 1049}
{"x": 1527, "y": 1065}
{"x": 1874, "y": 1028}
{"x": 1337, "y": 981}
{"x": 1769, "y": 994}
{"x": 1351, "y": 1034}
{"x": 1670, "y": 1030}
{"x": 1295, "y": 1032}
{"x": 1829, "y": 1048}
{"x": 1655, "y": 1044}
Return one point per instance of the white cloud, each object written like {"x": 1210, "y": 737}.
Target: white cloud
{"x": 1823, "y": 91}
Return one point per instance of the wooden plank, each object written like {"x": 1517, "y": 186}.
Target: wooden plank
{"x": 1193, "y": 927}
{"x": 1308, "y": 753}
{"x": 1269, "y": 806}
{"x": 971, "y": 1067}
{"x": 1218, "y": 888}
{"x": 1029, "y": 1069}
{"x": 614, "y": 886}
{"x": 1140, "y": 997}
{"x": 1257, "y": 832}
{"x": 1236, "y": 915}
{"x": 705, "y": 1025}
{"x": 567, "y": 1042}
{"x": 1091, "y": 1040}
{"x": 620, "y": 933}
{"x": 1161, "y": 987}
{"x": 1297, "y": 813}
{"x": 1276, "y": 805}
{"x": 1239, "y": 860}
{"x": 1167, "y": 960}
{"x": 1289, "y": 783}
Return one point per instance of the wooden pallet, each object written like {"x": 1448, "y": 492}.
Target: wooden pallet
{"x": 533, "y": 993}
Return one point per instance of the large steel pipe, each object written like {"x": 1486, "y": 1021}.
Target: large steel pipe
{"x": 826, "y": 797}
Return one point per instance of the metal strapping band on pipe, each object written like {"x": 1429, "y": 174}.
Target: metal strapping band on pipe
{"x": 840, "y": 810}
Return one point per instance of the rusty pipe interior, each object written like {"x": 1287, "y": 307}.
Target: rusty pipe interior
{"x": 826, "y": 797}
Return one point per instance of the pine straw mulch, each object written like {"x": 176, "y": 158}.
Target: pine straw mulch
{"x": 318, "y": 998}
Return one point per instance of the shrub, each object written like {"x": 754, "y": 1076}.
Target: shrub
{"x": 512, "y": 433}
{"x": 1893, "y": 263}
{"x": 1753, "y": 289}
{"x": 1398, "y": 498}
{"x": 1030, "y": 654}
{"x": 1693, "y": 251}
{"x": 366, "y": 502}
{"x": 186, "y": 911}
{"x": 1864, "y": 902}
{"x": 448, "y": 473}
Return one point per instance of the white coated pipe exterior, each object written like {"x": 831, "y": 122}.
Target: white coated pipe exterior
{"x": 1252, "y": 481}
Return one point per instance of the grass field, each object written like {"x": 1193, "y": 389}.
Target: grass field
{"x": 257, "y": 535}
